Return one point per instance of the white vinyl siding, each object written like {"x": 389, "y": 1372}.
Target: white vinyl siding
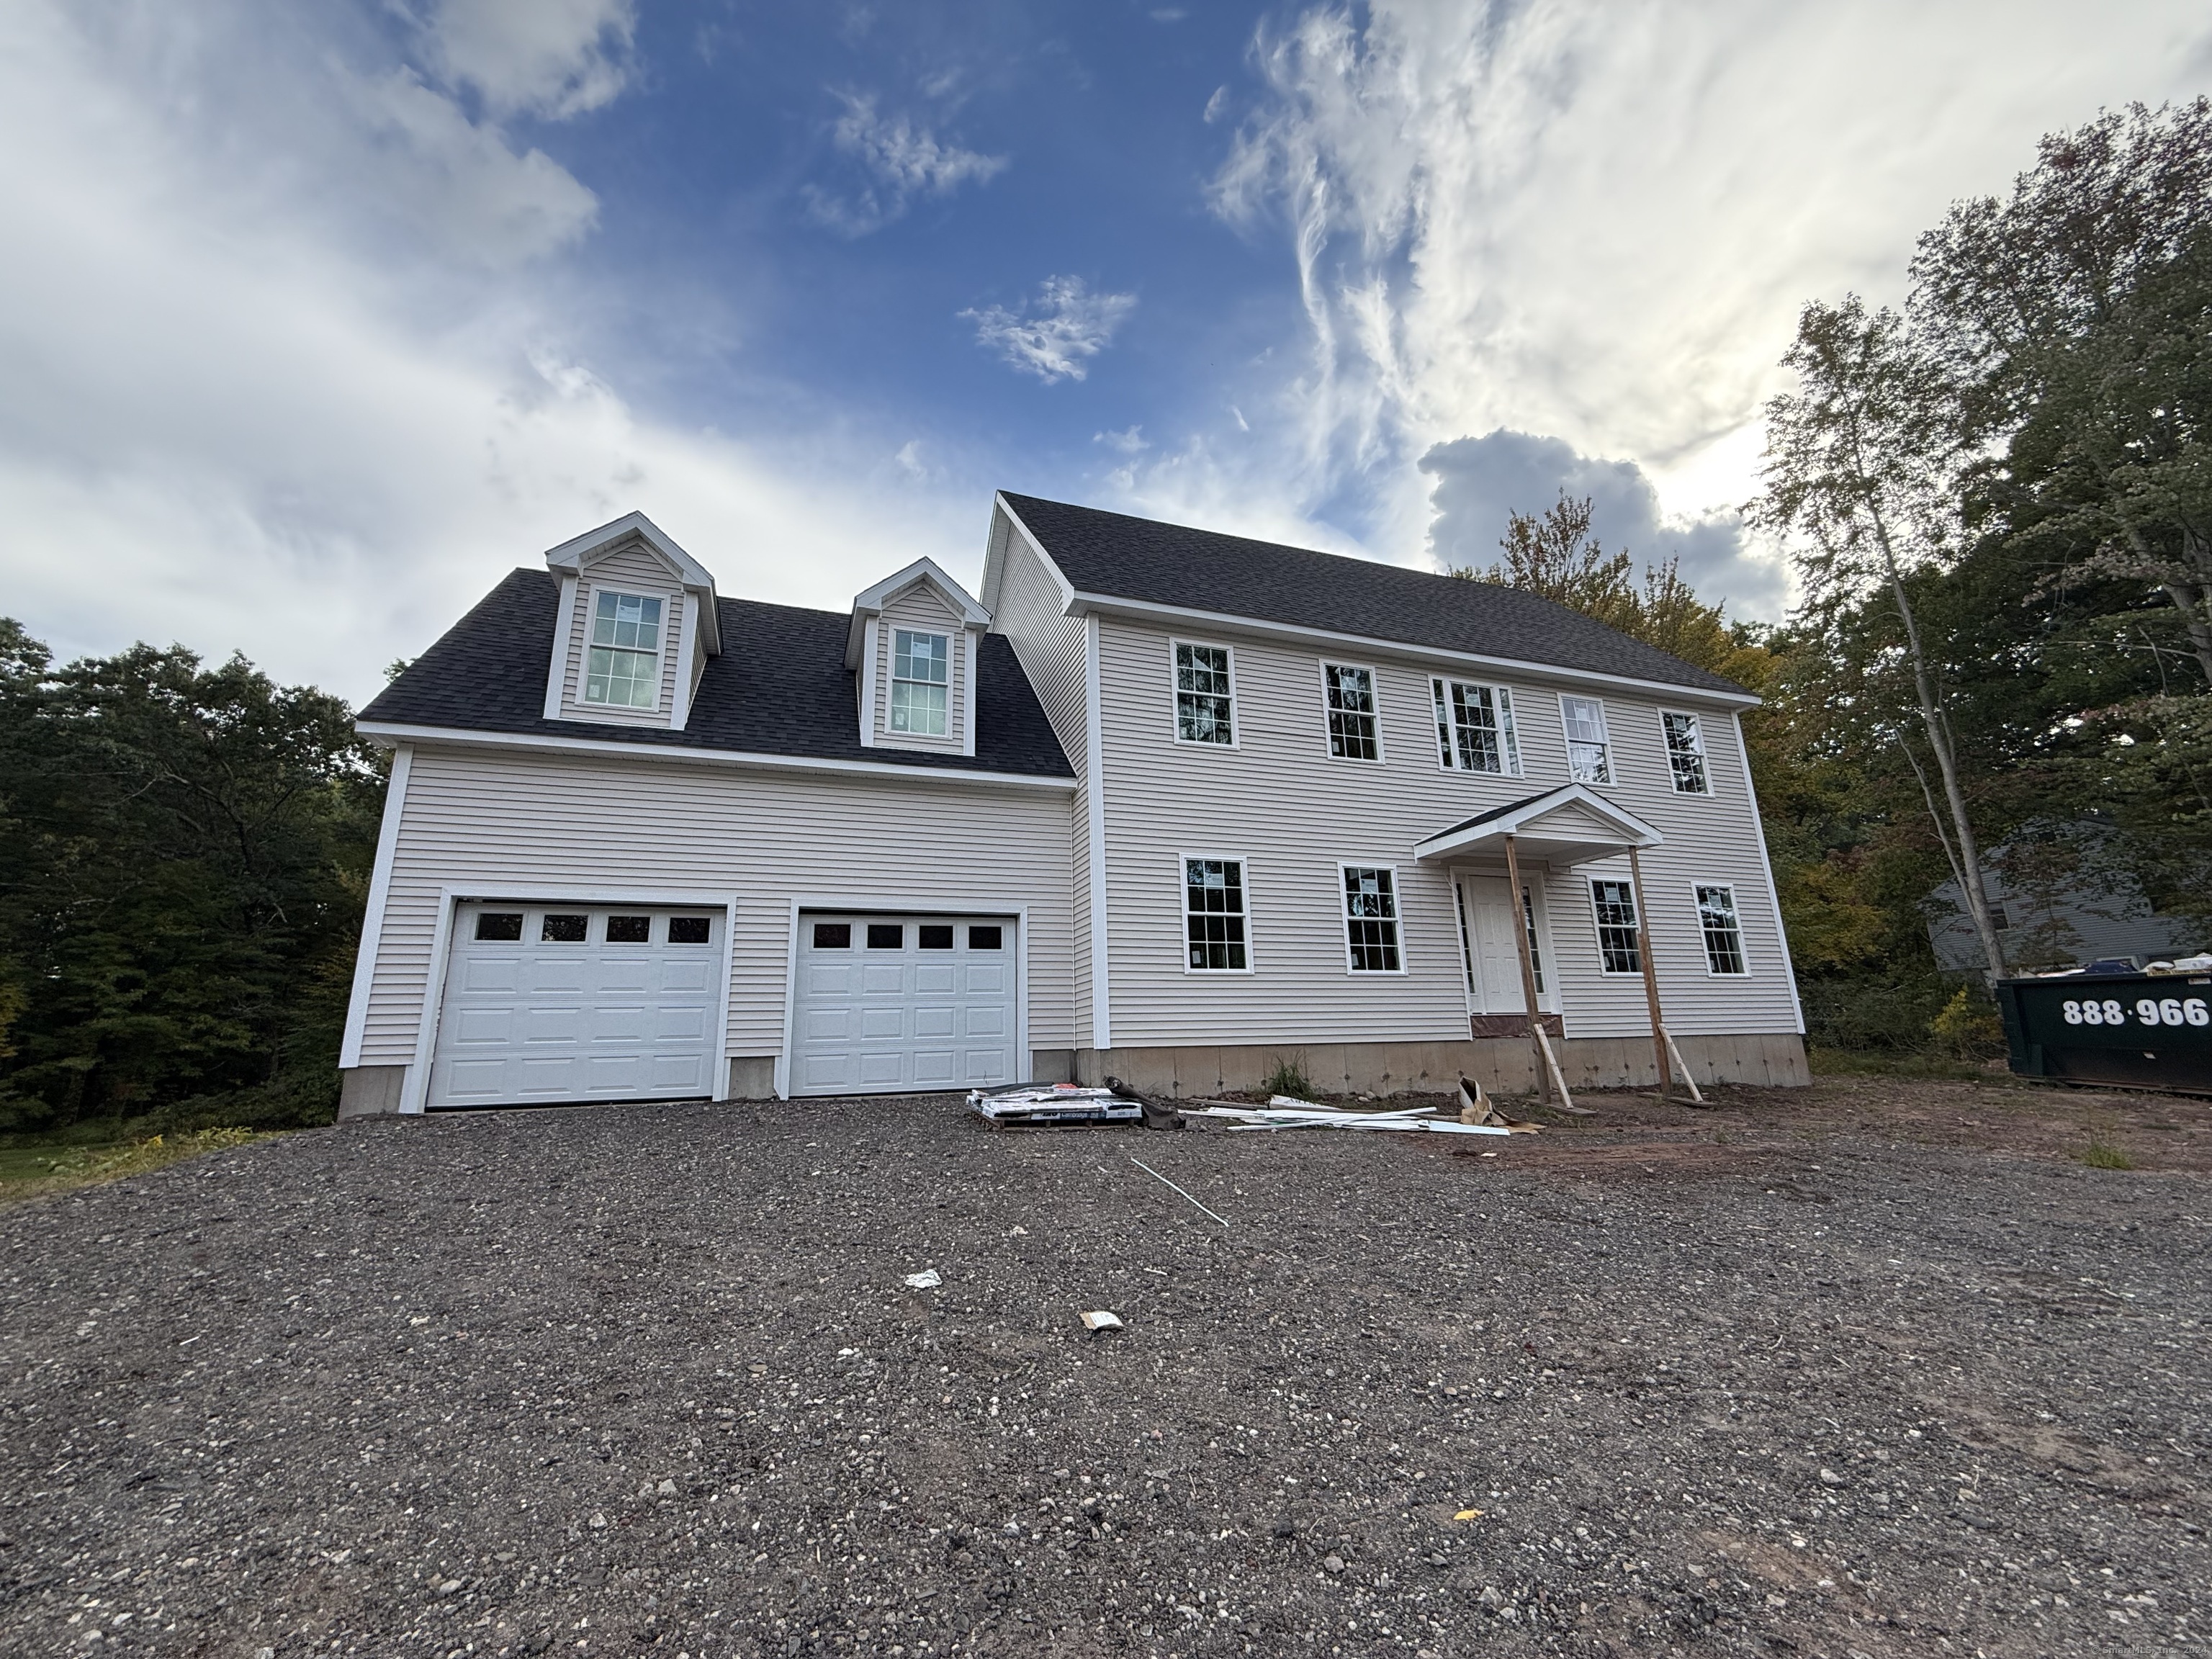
{"x": 1474, "y": 727}
{"x": 1294, "y": 820}
{"x": 1686, "y": 753}
{"x": 1025, "y": 604}
{"x": 499, "y": 825}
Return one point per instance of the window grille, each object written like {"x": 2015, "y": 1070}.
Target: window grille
{"x": 1717, "y": 920}
{"x": 1619, "y": 950}
{"x": 1370, "y": 920}
{"x": 622, "y": 668}
{"x": 1474, "y": 727}
{"x": 921, "y": 671}
{"x": 1213, "y": 914}
{"x": 1686, "y": 754}
{"x": 1353, "y": 734}
{"x": 1205, "y": 710}
{"x": 1589, "y": 751}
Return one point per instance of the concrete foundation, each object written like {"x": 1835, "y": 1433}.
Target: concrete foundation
{"x": 370, "y": 1091}
{"x": 1505, "y": 1066}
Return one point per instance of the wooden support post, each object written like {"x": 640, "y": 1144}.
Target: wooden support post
{"x": 1650, "y": 975}
{"x": 1689, "y": 1081}
{"x": 1542, "y": 1055}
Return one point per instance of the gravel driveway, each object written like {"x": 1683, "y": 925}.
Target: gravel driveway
{"x": 612, "y": 1381}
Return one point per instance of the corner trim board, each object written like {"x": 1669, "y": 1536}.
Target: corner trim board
{"x": 372, "y": 917}
{"x": 1766, "y": 869}
{"x": 1094, "y": 767}
{"x": 564, "y": 630}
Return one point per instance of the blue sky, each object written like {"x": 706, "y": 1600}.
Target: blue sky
{"x": 319, "y": 318}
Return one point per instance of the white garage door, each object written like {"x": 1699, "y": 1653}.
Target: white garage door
{"x": 886, "y": 1004}
{"x": 550, "y": 1002}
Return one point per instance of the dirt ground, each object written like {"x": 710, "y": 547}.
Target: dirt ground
{"x": 1881, "y": 1367}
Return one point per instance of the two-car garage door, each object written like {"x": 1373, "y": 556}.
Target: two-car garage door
{"x": 547, "y": 1002}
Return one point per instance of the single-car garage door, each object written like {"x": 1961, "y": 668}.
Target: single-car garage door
{"x": 886, "y": 1004}
{"x": 552, "y": 1002}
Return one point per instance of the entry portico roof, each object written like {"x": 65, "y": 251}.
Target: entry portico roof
{"x": 1570, "y": 824}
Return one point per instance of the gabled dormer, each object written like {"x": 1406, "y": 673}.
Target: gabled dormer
{"x": 636, "y": 626}
{"x": 912, "y": 648}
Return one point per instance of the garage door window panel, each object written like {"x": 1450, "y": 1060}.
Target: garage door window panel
{"x": 564, "y": 927}
{"x": 498, "y": 924}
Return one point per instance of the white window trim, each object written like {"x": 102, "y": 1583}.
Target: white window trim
{"x": 1612, "y": 747}
{"x": 1375, "y": 687}
{"x": 589, "y": 613}
{"x": 1697, "y": 916}
{"x": 1597, "y": 929}
{"x": 1704, "y": 753}
{"x": 871, "y": 634}
{"x": 1344, "y": 920}
{"x": 969, "y": 648}
{"x": 1449, "y": 763}
{"x": 1236, "y": 706}
{"x": 1182, "y": 917}
{"x": 892, "y": 682}
{"x": 679, "y": 704}
{"x": 564, "y": 636}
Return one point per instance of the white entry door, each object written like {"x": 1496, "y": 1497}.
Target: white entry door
{"x": 888, "y": 1005}
{"x": 1491, "y": 921}
{"x": 566, "y": 1002}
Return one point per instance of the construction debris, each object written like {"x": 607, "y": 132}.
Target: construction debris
{"x": 1100, "y": 1320}
{"x": 929, "y": 1280}
{"x": 1476, "y": 1106}
{"x": 1164, "y": 1182}
{"x": 1054, "y": 1103}
{"x": 1156, "y": 1115}
{"x": 1282, "y": 1112}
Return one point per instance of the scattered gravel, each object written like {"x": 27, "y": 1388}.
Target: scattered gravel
{"x": 617, "y": 1380}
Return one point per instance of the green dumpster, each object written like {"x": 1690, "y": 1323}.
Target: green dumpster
{"x": 2145, "y": 1031}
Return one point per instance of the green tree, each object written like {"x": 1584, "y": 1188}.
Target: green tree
{"x": 182, "y": 856}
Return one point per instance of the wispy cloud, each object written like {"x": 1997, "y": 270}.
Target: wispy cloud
{"x": 553, "y": 59}
{"x": 1559, "y": 217}
{"x": 903, "y": 161}
{"x": 1056, "y": 338}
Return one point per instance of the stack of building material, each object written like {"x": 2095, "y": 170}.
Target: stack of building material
{"x": 1282, "y": 1112}
{"x": 1052, "y": 1103}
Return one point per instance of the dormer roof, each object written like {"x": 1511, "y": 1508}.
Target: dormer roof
{"x": 870, "y": 602}
{"x": 574, "y": 557}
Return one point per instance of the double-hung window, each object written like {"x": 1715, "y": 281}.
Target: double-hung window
{"x": 1349, "y": 692}
{"x": 1474, "y": 727}
{"x": 622, "y": 666}
{"x": 1686, "y": 754}
{"x": 1204, "y": 694}
{"x": 1589, "y": 751}
{"x": 1370, "y": 920}
{"x": 1717, "y": 920}
{"x": 921, "y": 671}
{"x": 1619, "y": 950}
{"x": 1213, "y": 916}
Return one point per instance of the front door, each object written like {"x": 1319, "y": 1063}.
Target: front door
{"x": 1493, "y": 952}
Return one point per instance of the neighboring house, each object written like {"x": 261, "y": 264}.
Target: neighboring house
{"x": 1159, "y": 803}
{"x": 2057, "y": 901}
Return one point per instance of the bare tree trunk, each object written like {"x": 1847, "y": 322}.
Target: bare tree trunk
{"x": 2192, "y": 605}
{"x": 1967, "y": 860}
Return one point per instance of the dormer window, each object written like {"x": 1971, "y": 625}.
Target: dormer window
{"x": 921, "y": 671}
{"x": 623, "y": 669}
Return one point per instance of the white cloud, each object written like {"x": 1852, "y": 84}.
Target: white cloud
{"x": 237, "y": 417}
{"x": 549, "y": 57}
{"x": 904, "y": 160}
{"x": 1130, "y": 441}
{"x": 1567, "y": 218}
{"x": 1068, "y": 326}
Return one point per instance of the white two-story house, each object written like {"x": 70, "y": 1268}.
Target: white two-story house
{"x": 1169, "y": 804}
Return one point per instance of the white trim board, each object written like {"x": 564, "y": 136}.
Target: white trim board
{"x": 1766, "y": 868}
{"x": 1094, "y": 766}
{"x": 393, "y": 732}
{"x": 371, "y": 915}
{"x": 564, "y": 630}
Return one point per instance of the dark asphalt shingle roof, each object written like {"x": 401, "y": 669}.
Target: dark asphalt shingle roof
{"x": 1117, "y": 556}
{"x": 780, "y": 687}
{"x": 1500, "y": 812}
